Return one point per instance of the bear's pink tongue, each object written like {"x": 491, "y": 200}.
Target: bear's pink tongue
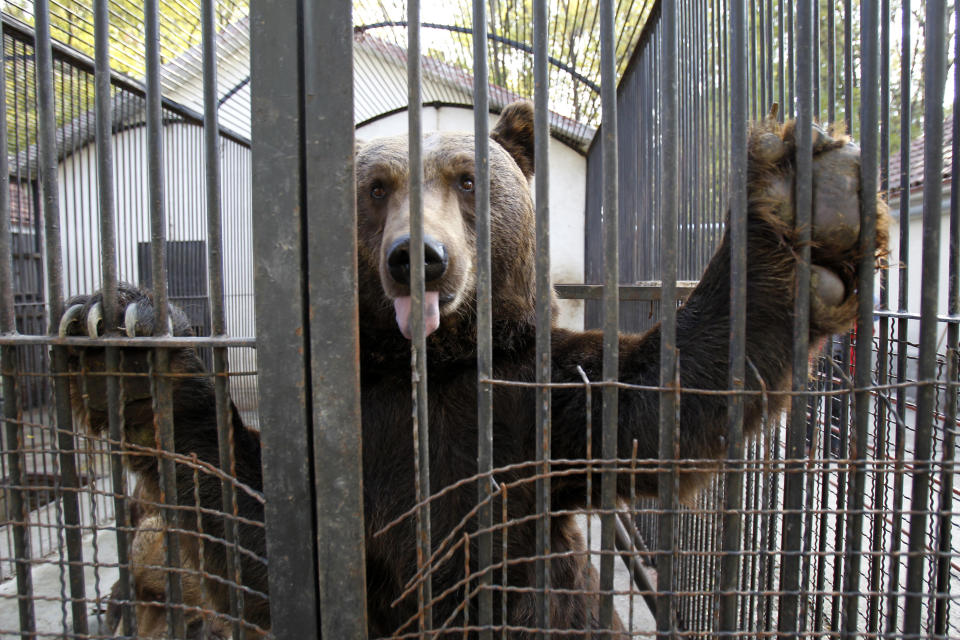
{"x": 431, "y": 313}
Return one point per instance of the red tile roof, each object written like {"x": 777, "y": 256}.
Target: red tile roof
{"x": 917, "y": 173}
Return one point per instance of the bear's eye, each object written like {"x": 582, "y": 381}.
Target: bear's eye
{"x": 378, "y": 191}
{"x": 466, "y": 183}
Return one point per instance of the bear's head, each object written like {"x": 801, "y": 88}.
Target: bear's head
{"x": 449, "y": 228}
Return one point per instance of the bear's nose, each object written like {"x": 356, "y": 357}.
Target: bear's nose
{"x": 434, "y": 259}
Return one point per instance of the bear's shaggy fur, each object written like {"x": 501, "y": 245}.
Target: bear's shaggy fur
{"x": 388, "y": 454}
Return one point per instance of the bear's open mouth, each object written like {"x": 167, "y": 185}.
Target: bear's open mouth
{"x": 431, "y": 313}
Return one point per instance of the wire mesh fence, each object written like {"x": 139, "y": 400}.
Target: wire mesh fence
{"x": 720, "y": 465}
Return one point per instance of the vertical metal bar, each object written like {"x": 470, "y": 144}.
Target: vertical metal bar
{"x": 883, "y": 359}
{"x": 751, "y": 43}
{"x": 669, "y": 374}
{"x": 108, "y": 262}
{"x": 485, "y": 489}
{"x": 211, "y": 151}
{"x": 933, "y": 80}
{"x": 841, "y": 484}
{"x": 332, "y": 259}
{"x": 869, "y": 95}
{"x": 418, "y": 347}
{"x": 611, "y": 306}
{"x": 815, "y": 54}
{"x": 832, "y": 63}
{"x": 733, "y": 480}
{"x": 541, "y": 138}
{"x": 796, "y": 433}
{"x": 829, "y": 400}
{"x": 848, "y": 64}
{"x": 280, "y": 281}
{"x": 17, "y": 513}
{"x": 791, "y": 65}
{"x": 768, "y": 35}
{"x": 903, "y": 287}
{"x": 154, "y": 116}
{"x": 163, "y": 387}
{"x": 47, "y": 126}
{"x": 946, "y": 519}
{"x": 781, "y": 64}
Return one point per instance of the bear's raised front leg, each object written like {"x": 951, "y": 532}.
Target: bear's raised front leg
{"x": 195, "y": 434}
{"x": 703, "y": 322}
{"x": 88, "y": 388}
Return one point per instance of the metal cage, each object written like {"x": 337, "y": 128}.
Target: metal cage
{"x": 834, "y": 519}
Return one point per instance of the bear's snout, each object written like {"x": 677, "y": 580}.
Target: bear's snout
{"x": 435, "y": 260}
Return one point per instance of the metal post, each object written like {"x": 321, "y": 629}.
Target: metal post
{"x": 544, "y": 299}
{"x": 418, "y": 346}
{"x": 934, "y": 74}
{"x": 733, "y": 481}
{"x": 611, "y": 306}
{"x": 864, "y": 367}
{"x": 796, "y": 433}
{"x": 280, "y": 279}
{"x": 108, "y": 261}
{"x": 160, "y": 368}
{"x": 485, "y": 488}
{"x": 896, "y": 507}
{"x": 11, "y": 392}
{"x": 47, "y": 126}
{"x": 332, "y": 259}
{"x": 946, "y": 520}
{"x": 669, "y": 366}
{"x": 212, "y": 185}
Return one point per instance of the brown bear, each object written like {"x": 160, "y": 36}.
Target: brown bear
{"x": 388, "y": 453}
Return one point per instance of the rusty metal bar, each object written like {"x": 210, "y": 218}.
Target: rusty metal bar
{"x": 667, "y": 624}
{"x": 796, "y": 432}
{"x": 877, "y": 545}
{"x": 418, "y": 345}
{"x": 543, "y": 311}
{"x": 733, "y": 480}
{"x": 611, "y": 305}
{"x": 946, "y": 519}
{"x": 651, "y": 291}
{"x": 903, "y": 288}
{"x": 162, "y": 387}
{"x": 280, "y": 279}
{"x": 212, "y": 186}
{"x": 108, "y": 261}
{"x": 47, "y": 157}
{"x": 11, "y": 391}
{"x": 332, "y": 259}
{"x": 869, "y": 159}
{"x": 934, "y": 75}
{"x": 481, "y": 178}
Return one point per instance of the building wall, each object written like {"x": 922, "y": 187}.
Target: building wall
{"x": 913, "y": 263}
{"x": 186, "y": 220}
{"x": 567, "y": 196}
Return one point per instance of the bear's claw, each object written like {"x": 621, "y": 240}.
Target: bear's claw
{"x": 94, "y": 320}
{"x": 69, "y": 317}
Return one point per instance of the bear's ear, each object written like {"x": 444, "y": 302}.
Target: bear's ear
{"x": 514, "y": 132}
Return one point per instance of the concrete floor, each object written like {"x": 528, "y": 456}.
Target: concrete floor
{"x": 53, "y": 618}
{"x": 50, "y": 589}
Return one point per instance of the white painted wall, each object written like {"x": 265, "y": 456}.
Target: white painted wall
{"x": 185, "y": 206}
{"x": 567, "y": 196}
{"x": 912, "y": 267}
